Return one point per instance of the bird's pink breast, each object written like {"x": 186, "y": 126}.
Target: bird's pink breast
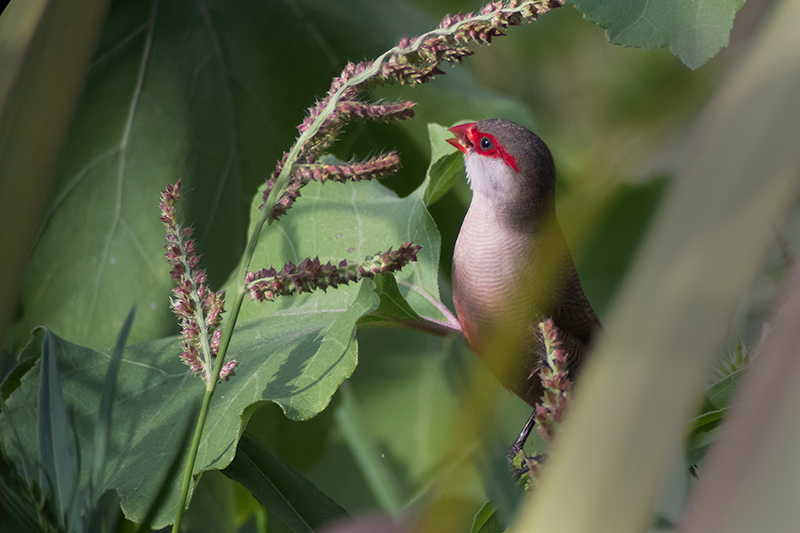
{"x": 488, "y": 267}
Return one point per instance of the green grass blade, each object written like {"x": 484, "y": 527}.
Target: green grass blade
{"x": 281, "y": 489}
{"x": 56, "y": 447}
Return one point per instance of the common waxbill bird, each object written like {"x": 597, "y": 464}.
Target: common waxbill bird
{"x": 511, "y": 265}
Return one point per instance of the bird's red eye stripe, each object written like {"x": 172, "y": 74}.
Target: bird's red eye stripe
{"x": 486, "y": 145}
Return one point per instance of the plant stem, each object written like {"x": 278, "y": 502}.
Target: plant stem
{"x": 374, "y": 70}
{"x": 278, "y": 188}
{"x": 211, "y": 385}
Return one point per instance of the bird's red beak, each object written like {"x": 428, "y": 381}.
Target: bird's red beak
{"x": 462, "y": 136}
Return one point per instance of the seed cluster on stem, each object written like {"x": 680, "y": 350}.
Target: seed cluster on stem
{"x": 413, "y": 61}
{"x": 311, "y": 274}
{"x": 555, "y": 382}
{"x": 548, "y": 413}
{"x": 199, "y": 309}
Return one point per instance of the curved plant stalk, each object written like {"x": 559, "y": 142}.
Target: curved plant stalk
{"x": 412, "y": 61}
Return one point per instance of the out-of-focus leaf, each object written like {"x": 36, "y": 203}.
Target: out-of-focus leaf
{"x": 417, "y": 426}
{"x": 693, "y": 30}
{"x": 609, "y": 251}
{"x": 280, "y": 488}
{"x": 362, "y": 444}
{"x": 487, "y": 520}
{"x": 676, "y": 304}
{"x": 43, "y": 44}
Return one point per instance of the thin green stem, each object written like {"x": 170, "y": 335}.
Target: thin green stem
{"x": 374, "y": 70}
{"x": 211, "y": 385}
{"x": 278, "y": 189}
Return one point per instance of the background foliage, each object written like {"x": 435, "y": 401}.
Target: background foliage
{"x": 212, "y": 91}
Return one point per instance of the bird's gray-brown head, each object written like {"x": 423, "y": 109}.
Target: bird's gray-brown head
{"x": 508, "y": 165}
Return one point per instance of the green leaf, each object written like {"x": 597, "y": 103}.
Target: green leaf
{"x": 693, "y": 30}
{"x": 446, "y": 165}
{"x": 58, "y": 475}
{"x": 364, "y": 448}
{"x": 203, "y": 92}
{"x": 280, "y": 488}
{"x": 350, "y": 221}
{"x": 717, "y": 403}
{"x": 297, "y": 361}
{"x": 487, "y": 520}
{"x": 392, "y": 304}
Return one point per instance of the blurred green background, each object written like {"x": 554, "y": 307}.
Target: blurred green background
{"x": 212, "y": 92}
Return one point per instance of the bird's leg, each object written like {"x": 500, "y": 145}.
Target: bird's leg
{"x": 515, "y": 448}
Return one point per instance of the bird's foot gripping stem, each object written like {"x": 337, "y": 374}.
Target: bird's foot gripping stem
{"x": 519, "y": 443}
{"x": 521, "y": 464}
{"x": 514, "y": 452}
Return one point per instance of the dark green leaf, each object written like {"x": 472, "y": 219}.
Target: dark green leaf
{"x": 615, "y": 239}
{"x": 487, "y": 520}
{"x": 25, "y": 361}
{"x": 213, "y": 508}
{"x": 171, "y": 472}
{"x": 693, "y": 30}
{"x": 20, "y": 512}
{"x": 280, "y": 488}
{"x": 296, "y": 360}
{"x": 102, "y": 431}
{"x": 366, "y": 452}
{"x": 58, "y": 476}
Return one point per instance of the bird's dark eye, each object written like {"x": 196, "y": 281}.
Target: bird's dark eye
{"x": 486, "y": 143}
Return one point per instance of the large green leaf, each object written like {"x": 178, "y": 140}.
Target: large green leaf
{"x": 280, "y": 488}
{"x": 694, "y": 30}
{"x": 210, "y": 92}
{"x": 350, "y": 221}
{"x": 297, "y": 361}
{"x": 294, "y": 352}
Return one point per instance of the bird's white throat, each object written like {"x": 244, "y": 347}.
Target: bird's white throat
{"x": 490, "y": 177}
